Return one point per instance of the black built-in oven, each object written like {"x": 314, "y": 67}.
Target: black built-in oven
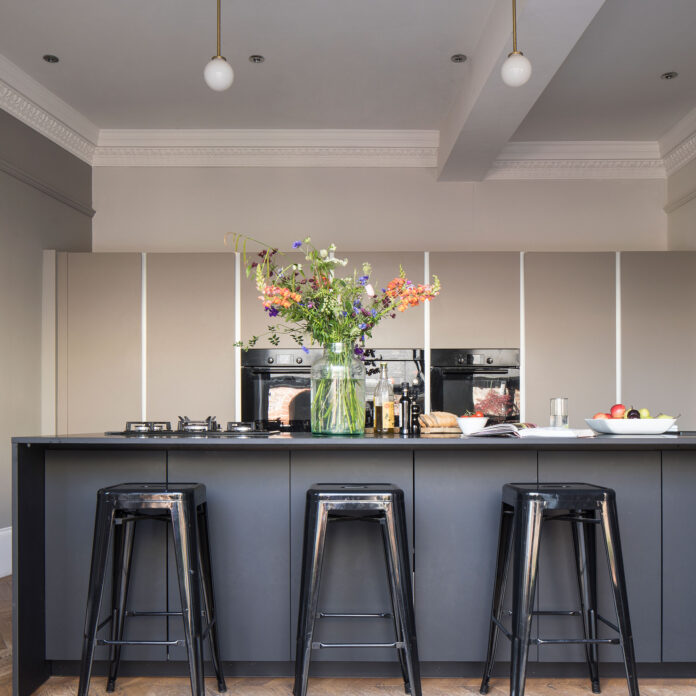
{"x": 476, "y": 379}
{"x": 276, "y": 382}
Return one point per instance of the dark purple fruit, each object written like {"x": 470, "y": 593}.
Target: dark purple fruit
{"x": 633, "y": 413}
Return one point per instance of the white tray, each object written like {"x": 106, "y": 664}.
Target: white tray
{"x": 630, "y": 426}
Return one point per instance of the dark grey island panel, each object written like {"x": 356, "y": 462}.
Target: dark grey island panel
{"x": 679, "y": 557}
{"x": 635, "y": 476}
{"x": 457, "y": 510}
{"x": 72, "y": 481}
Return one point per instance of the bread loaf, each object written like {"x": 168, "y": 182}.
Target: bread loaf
{"x": 438, "y": 419}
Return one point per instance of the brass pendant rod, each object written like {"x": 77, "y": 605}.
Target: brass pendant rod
{"x": 218, "y": 28}
{"x": 514, "y": 26}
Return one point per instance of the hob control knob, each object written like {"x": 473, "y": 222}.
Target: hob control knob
{"x": 298, "y": 361}
{"x": 460, "y": 360}
{"x": 489, "y": 361}
{"x": 270, "y": 361}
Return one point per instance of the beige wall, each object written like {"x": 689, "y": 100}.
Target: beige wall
{"x": 190, "y": 209}
{"x": 30, "y": 221}
{"x": 681, "y": 206}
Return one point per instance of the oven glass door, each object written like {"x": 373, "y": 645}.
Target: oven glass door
{"x": 280, "y": 395}
{"x": 496, "y": 392}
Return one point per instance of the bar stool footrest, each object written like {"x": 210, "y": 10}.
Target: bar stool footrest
{"x": 320, "y": 646}
{"x": 140, "y": 642}
{"x": 574, "y": 641}
{"x": 331, "y": 615}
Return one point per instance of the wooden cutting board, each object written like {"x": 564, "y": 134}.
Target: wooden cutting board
{"x": 440, "y": 431}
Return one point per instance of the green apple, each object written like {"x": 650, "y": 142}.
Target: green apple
{"x": 644, "y": 413}
{"x": 664, "y": 415}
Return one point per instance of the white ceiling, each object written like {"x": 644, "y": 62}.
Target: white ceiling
{"x": 360, "y": 64}
{"x": 130, "y": 69}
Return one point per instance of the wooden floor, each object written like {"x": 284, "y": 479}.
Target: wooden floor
{"x": 132, "y": 686}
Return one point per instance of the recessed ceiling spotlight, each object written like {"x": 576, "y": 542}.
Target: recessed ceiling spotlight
{"x": 256, "y": 58}
{"x": 50, "y": 58}
{"x": 458, "y": 58}
{"x": 669, "y": 75}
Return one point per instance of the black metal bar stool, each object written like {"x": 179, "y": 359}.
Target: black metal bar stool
{"x": 184, "y": 506}
{"x": 525, "y": 507}
{"x": 383, "y": 503}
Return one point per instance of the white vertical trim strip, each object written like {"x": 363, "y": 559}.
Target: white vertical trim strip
{"x": 5, "y": 551}
{"x": 619, "y": 386}
{"x": 426, "y": 334}
{"x": 237, "y": 337}
{"x": 143, "y": 336}
{"x": 49, "y": 337}
{"x": 523, "y": 346}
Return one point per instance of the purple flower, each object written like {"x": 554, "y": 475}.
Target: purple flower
{"x": 358, "y": 350}
{"x": 384, "y": 289}
{"x": 310, "y": 304}
{"x": 356, "y": 304}
{"x": 362, "y": 326}
{"x": 363, "y": 279}
{"x": 297, "y": 244}
{"x": 305, "y": 349}
{"x": 364, "y": 312}
{"x": 344, "y": 314}
{"x": 374, "y": 312}
{"x": 272, "y": 311}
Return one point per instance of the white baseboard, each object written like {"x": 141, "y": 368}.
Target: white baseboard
{"x": 5, "y": 551}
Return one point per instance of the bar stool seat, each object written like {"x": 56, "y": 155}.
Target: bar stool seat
{"x": 525, "y": 507}
{"x": 119, "y": 508}
{"x": 382, "y": 503}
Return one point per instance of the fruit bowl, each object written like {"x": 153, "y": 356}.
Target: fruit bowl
{"x": 471, "y": 425}
{"x": 630, "y": 426}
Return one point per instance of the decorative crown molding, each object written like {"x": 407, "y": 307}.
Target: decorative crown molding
{"x": 681, "y": 155}
{"x": 40, "y": 109}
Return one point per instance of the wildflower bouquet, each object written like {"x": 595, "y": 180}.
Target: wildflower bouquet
{"x": 338, "y": 313}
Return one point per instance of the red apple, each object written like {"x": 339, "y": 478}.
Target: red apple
{"x": 617, "y": 411}
{"x": 601, "y": 415}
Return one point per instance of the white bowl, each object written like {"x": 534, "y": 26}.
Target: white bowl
{"x": 471, "y": 425}
{"x": 630, "y": 426}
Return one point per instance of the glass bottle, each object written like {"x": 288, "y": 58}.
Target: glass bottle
{"x": 384, "y": 403}
{"x": 405, "y": 410}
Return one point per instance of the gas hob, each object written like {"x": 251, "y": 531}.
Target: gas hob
{"x": 207, "y": 428}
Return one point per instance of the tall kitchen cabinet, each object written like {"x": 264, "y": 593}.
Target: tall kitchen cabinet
{"x": 98, "y": 342}
{"x": 570, "y": 326}
{"x": 479, "y": 306}
{"x": 190, "y": 336}
{"x": 189, "y": 319}
{"x": 658, "y": 325}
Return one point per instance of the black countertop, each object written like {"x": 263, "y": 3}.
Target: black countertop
{"x": 294, "y": 441}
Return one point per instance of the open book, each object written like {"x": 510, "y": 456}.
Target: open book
{"x": 529, "y": 430}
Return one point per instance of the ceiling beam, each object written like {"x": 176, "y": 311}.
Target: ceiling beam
{"x": 487, "y": 112}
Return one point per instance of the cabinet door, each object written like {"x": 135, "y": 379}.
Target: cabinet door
{"x": 457, "y": 516}
{"x": 248, "y": 511}
{"x": 679, "y": 557}
{"x": 190, "y": 336}
{"x": 72, "y": 482}
{"x": 658, "y": 295}
{"x": 99, "y": 341}
{"x": 570, "y": 319}
{"x": 479, "y": 306}
{"x": 635, "y": 476}
{"x": 354, "y": 577}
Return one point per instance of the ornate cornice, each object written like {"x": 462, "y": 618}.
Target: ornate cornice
{"x": 259, "y": 156}
{"x": 681, "y": 155}
{"x": 45, "y": 123}
{"x": 578, "y": 169}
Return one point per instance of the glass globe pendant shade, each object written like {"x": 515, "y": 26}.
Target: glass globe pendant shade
{"x": 516, "y": 70}
{"x": 218, "y": 74}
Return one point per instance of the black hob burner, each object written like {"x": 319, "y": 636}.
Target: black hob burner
{"x": 207, "y": 428}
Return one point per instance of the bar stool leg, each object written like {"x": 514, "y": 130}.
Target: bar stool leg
{"x": 502, "y": 566}
{"x": 208, "y": 594}
{"x": 399, "y": 628}
{"x": 316, "y": 519}
{"x": 398, "y": 549}
{"x": 585, "y": 562}
{"x": 102, "y": 534}
{"x": 527, "y": 532}
{"x": 124, "y": 536}
{"x": 185, "y": 538}
{"x": 612, "y": 543}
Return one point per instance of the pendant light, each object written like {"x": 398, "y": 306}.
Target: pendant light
{"x": 218, "y": 73}
{"x": 516, "y": 69}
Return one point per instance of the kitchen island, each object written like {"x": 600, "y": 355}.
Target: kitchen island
{"x": 256, "y": 492}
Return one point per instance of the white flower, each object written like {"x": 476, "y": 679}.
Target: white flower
{"x": 370, "y": 290}
{"x": 323, "y": 253}
{"x": 296, "y": 266}
{"x": 332, "y": 247}
{"x": 343, "y": 262}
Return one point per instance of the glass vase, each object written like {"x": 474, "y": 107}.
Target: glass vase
{"x": 338, "y": 392}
